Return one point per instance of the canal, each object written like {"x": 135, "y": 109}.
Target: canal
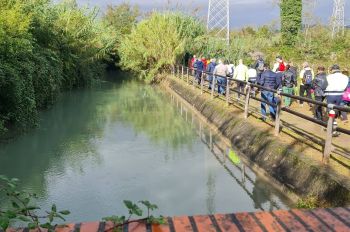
{"x": 129, "y": 141}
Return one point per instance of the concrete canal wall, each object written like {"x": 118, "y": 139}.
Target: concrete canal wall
{"x": 300, "y": 174}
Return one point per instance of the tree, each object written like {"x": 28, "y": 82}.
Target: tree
{"x": 158, "y": 42}
{"x": 291, "y": 20}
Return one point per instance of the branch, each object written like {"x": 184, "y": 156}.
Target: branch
{"x": 125, "y": 223}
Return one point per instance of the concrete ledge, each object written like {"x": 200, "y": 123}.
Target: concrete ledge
{"x": 302, "y": 175}
{"x": 337, "y": 219}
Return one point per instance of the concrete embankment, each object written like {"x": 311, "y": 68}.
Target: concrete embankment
{"x": 300, "y": 174}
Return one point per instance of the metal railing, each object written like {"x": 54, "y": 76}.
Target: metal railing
{"x": 188, "y": 75}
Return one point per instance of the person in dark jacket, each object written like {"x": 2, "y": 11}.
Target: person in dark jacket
{"x": 199, "y": 70}
{"x": 289, "y": 81}
{"x": 269, "y": 80}
{"x": 319, "y": 86}
{"x": 210, "y": 71}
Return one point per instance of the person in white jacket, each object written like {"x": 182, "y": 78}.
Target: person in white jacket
{"x": 241, "y": 74}
{"x": 337, "y": 83}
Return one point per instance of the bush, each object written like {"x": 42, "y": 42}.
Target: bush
{"x": 46, "y": 48}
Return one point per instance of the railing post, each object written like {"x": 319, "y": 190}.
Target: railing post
{"x": 247, "y": 100}
{"x": 227, "y": 91}
{"x": 188, "y": 77}
{"x": 202, "y": 82}
{"x": 182, "y": 71}
{"x": 328, "y": 144}
{"x": 194, "y": 78}
{"x": 213, "y": 87}
{"x": 278, "y": 115}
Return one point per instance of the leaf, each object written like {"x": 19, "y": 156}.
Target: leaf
{"x": 149, "y": 205}
{"x": 23, "y": 218}
{"x": 54, "y": 208}
{"x": 4, "y": 222}
{"x": 33, "y": 207}
{"x": 65, "y": 212}
{"x": 128, "y": 204}
{"x": 15, "y": 205}
{"x": 31, "y": 226}
{"x": 10, "y": 214}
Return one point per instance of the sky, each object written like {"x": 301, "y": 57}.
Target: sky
{"x": 242, "y": 12}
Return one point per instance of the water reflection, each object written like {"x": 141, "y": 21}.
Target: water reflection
{"x": 264, "y": 195}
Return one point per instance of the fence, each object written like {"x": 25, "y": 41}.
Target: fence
{"x": 188, "y": 75}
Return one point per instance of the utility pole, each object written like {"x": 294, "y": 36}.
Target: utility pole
{"x": 338, "y": 18}
{"x": 218, "y": 23}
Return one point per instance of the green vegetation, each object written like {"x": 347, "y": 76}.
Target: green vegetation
{"x": 46, "y": 48}
{"x": 291, "y": 20}
{"x": 21, "y": 208}
{"x": 158, "y": 42}
{"x": 135, "y": 210}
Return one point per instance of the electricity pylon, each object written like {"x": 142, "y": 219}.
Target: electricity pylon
{"x": 338, "y": 17}
{"x": 218, "y": 22}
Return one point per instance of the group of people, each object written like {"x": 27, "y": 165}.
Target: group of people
{"x": 332, "y": 87}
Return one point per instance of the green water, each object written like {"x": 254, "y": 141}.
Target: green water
{"x": 98, "y": 147}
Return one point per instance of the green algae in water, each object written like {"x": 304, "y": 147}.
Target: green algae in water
{"x": 234, "y": 157}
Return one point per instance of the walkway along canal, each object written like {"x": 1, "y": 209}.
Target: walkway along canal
{"x": 129, "y": 141}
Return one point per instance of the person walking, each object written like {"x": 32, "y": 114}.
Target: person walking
{"x": 199, "y": 70}
{"x": 289, "y": 81}
{"x": 231, "y": 69}
{"x": 240, "y": 74}
{"x": 337, "y": 83}
{"x": 220, "y": 73}
{"x": 319, "y": 86}
{"x": 210, "y": 71}
{"x": 280, "y": 65}
{"x": 268, "y": 80}
{"x": 306, "y": 77}
{"x": 252, "y": 74}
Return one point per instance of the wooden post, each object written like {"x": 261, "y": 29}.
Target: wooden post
{"x": 182, "y": 71}
{"x": 227, "y": 91}
{"x": 188, "y": 77}
{"x": 202, "y": 82}
{"x": 178, "y": 71}
{"x": 213, "y": 87}
{"x": 243, "y": 173}
{"x": 278, "y": 116}
{"x": 247, "y": 100}
{"x": 328, "y": 144}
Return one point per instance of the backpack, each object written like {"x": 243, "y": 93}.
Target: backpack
{"x": 195, "y": 64}
{"x": 287, "y": 79}
{"x": 261, "y": 64}
{"x": 307, "y": 78}
{"x": 346, "y": 95}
